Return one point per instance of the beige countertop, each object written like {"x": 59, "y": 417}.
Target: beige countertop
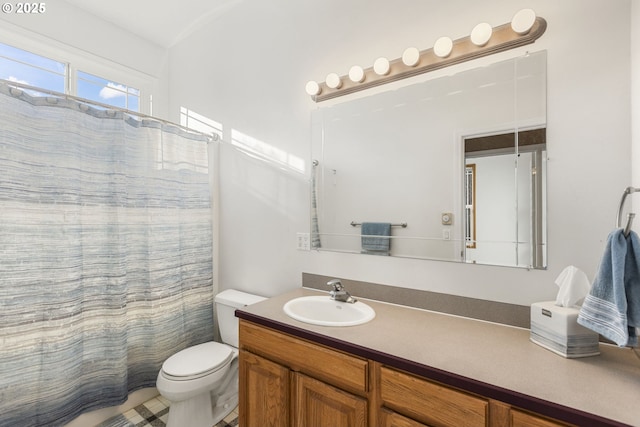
{"x": 499, "y": 361}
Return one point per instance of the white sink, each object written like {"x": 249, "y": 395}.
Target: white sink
{"x": 323, "y": 311}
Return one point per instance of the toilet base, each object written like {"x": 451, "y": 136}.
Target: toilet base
{"x": 199, "y": 410}
{"x": 224, "y": 408}
{"x": 194, "y": 412}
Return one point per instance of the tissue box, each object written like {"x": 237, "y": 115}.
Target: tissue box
{"x": 556, "y": 328}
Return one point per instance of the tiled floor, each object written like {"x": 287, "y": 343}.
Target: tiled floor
{"x": 155, "y": 413}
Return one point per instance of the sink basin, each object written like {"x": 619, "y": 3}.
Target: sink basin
{"x": 323, "y": 311}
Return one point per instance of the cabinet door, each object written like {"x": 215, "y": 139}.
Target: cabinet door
{"x": 522, "y": 419}
{"x": 263, "y": 392}
{"x": 317, "y": 404}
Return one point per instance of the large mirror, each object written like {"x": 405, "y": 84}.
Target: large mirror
{"x": 452, "y": 168}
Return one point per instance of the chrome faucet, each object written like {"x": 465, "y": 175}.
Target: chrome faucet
{"x": 338, "y": 293}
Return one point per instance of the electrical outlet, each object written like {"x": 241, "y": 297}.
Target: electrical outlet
{"x": 304, "y": 243}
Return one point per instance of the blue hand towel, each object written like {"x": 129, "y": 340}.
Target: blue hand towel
{"x": 612, "y": 307}
{"x": 375, "y": 238}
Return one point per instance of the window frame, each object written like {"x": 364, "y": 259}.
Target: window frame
{"x": 78, "y": 60}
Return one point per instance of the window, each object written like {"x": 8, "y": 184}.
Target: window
{"x": 104, "y": 91}
{"x": 28, "y": 68}
{"x": 20, "y": 66}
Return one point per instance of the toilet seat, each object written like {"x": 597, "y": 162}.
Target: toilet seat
{"x": 197, "y": 361}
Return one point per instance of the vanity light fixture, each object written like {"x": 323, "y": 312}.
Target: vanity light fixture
{"x": 523, "y": 21}
{"x": 443, "y": 46}
{"x": 356, "y": 74}
{"x": 525, "y": 28}
{"x": 381, "y": 66}
{"x": 333, "y": 81}
{"x": 411, "y": 57}
{"x": 481, "y": 34}
{"x": 312, "y": 88}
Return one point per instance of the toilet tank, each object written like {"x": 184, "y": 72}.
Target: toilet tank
{"x": 226, "y": 303}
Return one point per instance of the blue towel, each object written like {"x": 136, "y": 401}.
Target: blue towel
{"x": 375, "y": 238}
{"x": 612, "y": 307}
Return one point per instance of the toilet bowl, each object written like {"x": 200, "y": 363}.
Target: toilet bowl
{"x": 201, "y": 382}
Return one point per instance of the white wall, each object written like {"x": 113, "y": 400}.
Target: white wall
{"x": 635, "y": 96}
{"x": 247, "y": 70}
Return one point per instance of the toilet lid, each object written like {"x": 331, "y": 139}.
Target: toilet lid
{"x": 197, "y": 360}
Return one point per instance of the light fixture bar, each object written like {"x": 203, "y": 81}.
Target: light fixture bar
{"x": 503, "y": 38}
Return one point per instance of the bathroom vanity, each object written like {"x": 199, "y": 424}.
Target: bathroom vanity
{"x": 411, "y": 367}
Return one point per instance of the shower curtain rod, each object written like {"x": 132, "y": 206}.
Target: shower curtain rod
{"x": 213, "y": 136}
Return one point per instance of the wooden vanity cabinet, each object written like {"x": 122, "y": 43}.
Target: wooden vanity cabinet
{"x": 265, "y": 385}
{"x": 523, "y": 419}
{"x": 318, "y": 404}
{"x": 393, "y": 419}
{"x": 411, "y": 401}
{"x": 514, "y": 418}
{"x": 431, "y": 403}
{"x": 286, "y": 381}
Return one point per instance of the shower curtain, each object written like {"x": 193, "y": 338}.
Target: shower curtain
{"x": 105, "y": 254}
{"x": 315, "y": 228}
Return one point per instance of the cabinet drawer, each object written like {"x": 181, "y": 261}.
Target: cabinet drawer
{"x": 393, "y": 419}
{"x": 323, "y": 363}
{"x": 431, "y": 403}
{"x": 523, "y": 419}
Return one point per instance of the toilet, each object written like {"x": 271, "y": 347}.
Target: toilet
{"x": 201, "y": 382}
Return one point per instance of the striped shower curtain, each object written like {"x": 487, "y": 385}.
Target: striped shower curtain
{"x": 315, "y": 228}
{"x": 105, "y": 254}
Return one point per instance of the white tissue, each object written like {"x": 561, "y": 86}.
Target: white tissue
{"x": 574, "y": 286}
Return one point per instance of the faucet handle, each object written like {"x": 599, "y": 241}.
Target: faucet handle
{"x": 336, "y": 284}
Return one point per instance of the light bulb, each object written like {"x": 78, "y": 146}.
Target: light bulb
{"x": 523, "y": 20}
{"x": 333, "y": 81}
{"x": 481, "y": 34}
{"x": 356, "y": 74}
{"x": 381, "y": 66}
{"x": 442, "y": 47}
{"x": 312, "y": 88}
{"x": 411, "y": 57}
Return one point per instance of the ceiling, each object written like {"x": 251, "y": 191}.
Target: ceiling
{"x": 161, "y": 22}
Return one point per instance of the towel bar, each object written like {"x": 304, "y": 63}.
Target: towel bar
{"x": 402, "y": 224}
{"x": 630, "y": 216}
